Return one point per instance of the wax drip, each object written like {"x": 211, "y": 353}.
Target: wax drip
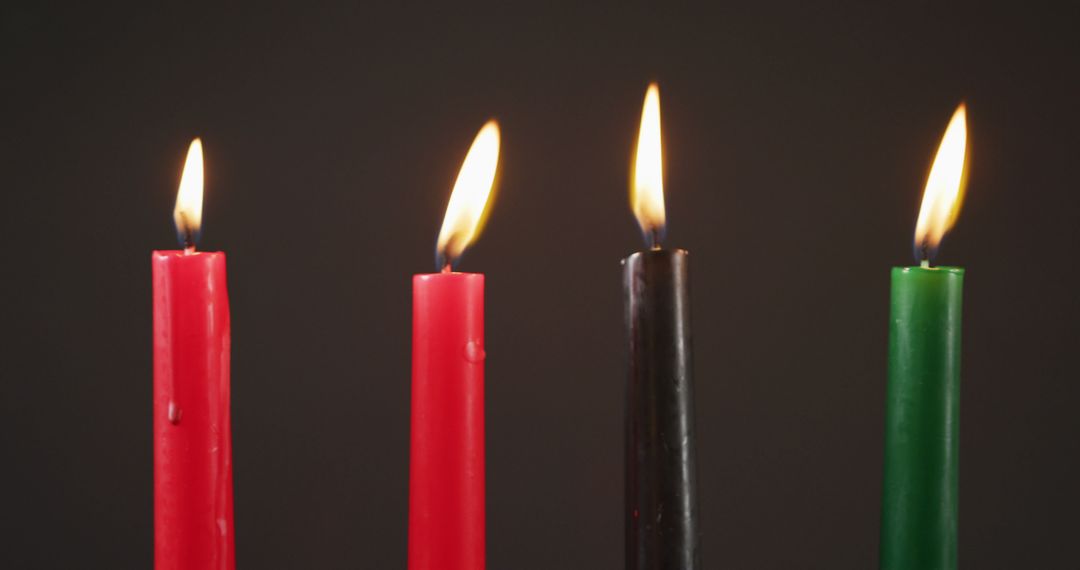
{"x": 474, "y": 351}
{"x": 175, "y": 413}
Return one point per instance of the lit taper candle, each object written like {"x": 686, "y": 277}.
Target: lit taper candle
{"x": 446, "y": 473}
{"x": 922, "y": 423}
{"x": 193, "y": 481}
{"x": 661, "y": 496}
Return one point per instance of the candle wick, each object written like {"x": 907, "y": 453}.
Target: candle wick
{"x": 187, "y": 234}
{"x": 189, "y": 241}
{"x": 924, "y": 255}
{"x": 447, "y": 268}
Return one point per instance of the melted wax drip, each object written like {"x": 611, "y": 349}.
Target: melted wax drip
{"x": 175, "y": 413}
{"x": 474, "y": 352}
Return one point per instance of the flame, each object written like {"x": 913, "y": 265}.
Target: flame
{"x": 944, "y": 192}
{"x": 188, "y": 211}
{"x": 468, "y": 202}
{"x": 647, "y": 187}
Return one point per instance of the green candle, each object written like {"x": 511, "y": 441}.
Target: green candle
{"x": 919, "y": 496}
{"x": 919, "y": 506}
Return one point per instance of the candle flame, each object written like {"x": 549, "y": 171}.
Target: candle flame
{"x": 188, "y": 211}
{"x": 467, "y": 209}
{"x": 647, "y": 186}
{"x": 944, "y": 192}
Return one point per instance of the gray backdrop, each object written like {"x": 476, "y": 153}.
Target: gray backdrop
{"x": 797, "y": 142}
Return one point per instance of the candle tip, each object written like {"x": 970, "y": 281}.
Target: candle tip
{"x": 945, "y": 186}
{"x": 187, "y": 214}
{"x": 469, "y": 200}
{"x": 647, "y": 176}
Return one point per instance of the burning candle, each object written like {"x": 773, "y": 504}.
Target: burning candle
{"x": 193, "y": 498}
{"x": 922, "y": 426}
{"x": 446, "y": 484}
{"x": 661, "y": 496}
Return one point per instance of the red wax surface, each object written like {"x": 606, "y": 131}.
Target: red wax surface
{"x": 446, "y": 484}
{"x": 193, "y": 488}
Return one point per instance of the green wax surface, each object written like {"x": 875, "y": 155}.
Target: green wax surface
{"x": 922, "y": 443}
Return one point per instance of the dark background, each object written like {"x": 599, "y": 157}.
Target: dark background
{"x": 797, "y": 143}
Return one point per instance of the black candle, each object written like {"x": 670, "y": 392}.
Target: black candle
{"x": 661, "y": 495}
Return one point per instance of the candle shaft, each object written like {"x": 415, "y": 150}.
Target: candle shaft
{"x": 193, "y": 487}
{"x": 446, "y": 484}
{"x": 661, "y": 494}
{"x": 922, "y": 439}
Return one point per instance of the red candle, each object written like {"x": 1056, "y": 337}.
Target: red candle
{"x": 446, "y": 485}
{"x": 193, "y": 500}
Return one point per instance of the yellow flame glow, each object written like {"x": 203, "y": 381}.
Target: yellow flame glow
{"x": 188, "y": 211}
{"x": 944, "y": 192}
{"x": 647, "y": 187}
{"x": 468, "y": 202}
